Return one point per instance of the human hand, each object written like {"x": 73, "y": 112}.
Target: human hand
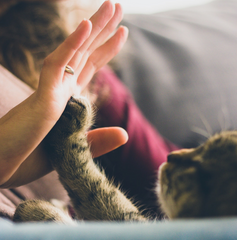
{"x": 86, "y": 50}
{"x": 24, "y": 127}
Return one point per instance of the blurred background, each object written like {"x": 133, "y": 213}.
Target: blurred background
{"x": 146, "y": 6}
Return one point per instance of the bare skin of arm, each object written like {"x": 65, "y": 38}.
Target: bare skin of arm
{"x": 86, "y": 50}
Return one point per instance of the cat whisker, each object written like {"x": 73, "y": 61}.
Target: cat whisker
{"x": 223, "y": 116}
{"x": 206, "y": 124}
{"x": 201, "y": 132}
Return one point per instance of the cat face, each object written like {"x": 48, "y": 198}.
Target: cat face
{"x": 201, "y": 182}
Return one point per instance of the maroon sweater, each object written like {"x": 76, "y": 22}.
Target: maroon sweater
{"x": 135, "y": 164}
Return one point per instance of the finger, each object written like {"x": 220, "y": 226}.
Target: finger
{"x": 63, "y": 54}
{"x": 99, "y": 20}
{"x": 107, "y": 51}
{"x": 104, "y": 140}
{"x": 55, "y": 63}
{"x": 109, "y": 28}
{"x": 102, "y": 56}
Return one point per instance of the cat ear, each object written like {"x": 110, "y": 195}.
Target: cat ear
{"x": 179, "y": 155}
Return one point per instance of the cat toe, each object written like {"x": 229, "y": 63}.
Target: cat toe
{"x": 77, "y": 117}
{"x": 79, "y": 113}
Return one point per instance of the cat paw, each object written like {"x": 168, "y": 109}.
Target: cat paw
{"x": 77, "y": 114}
{"x": 67, "y": 138}
{"x": 76, "y": 118}
{"x": 40, "y": 211}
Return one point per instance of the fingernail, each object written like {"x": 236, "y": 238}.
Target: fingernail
{"x": 82, "y": 23}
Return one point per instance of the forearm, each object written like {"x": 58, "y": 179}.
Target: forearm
{"x": 22, "y": 129}
{"x": 35, "y": 166}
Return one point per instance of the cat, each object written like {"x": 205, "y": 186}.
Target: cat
{"x": 193, "y": 183}
{"x": 201, "y": 182}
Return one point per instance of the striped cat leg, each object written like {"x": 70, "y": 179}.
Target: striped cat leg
{"x": 93, "y": 196}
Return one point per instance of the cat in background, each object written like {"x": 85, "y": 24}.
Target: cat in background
{"x": 194, "y": 183}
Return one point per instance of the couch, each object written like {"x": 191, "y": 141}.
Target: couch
{"x": 215, "y": 229}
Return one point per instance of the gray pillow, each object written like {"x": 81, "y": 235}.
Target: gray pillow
{"x": 181, "y": 67}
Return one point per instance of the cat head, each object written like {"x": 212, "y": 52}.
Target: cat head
{"x": 201, "y": 182}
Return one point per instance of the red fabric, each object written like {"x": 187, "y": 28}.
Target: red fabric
{"x": 137, "y": 161}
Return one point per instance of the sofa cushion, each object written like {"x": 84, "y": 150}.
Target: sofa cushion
{"x": 181, "y": 68}
{"x": 208, "y": 229}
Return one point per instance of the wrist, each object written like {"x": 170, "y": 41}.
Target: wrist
{"x": 46, "y": 107}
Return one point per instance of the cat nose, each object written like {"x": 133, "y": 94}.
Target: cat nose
{"x": 178, "y": 155}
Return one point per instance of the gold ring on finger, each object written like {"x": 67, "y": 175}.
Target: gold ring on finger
{"x": 69, "y": 70}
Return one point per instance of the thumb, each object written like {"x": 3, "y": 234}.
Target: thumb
{"x": 104, "y": 140}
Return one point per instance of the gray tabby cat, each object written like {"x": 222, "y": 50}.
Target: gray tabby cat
{"x": 200, "y": 182}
